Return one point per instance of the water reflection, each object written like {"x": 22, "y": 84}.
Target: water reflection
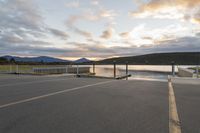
{"x": 137, "y": 71}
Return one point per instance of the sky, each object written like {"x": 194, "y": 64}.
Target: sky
{"x": 98, "y": 29}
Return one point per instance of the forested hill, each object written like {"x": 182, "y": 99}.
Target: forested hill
{"x": 183, "y": 58}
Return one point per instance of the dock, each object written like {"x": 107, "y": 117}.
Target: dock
{"x": 41, "y": 104}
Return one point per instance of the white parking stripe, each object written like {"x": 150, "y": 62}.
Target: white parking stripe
{"x": 174, "y": 122}
{"x": 52, "y": 94}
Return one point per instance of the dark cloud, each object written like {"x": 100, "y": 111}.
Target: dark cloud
{"x": 187, "y": 44}
{"x": 107, "y": 34}
{"x": 20, "y": 20}
{"x": 98, "y": 50}
{"x": 147, "y": 38}
{"x": 198, "y": 34}
{"x": 22, "y": 29}
{"x": 35, "y": 48}
{"x": 82, "y": 32}
{"x": 17, "y": 14}
{"x": 59, "y": 33}
{"x": 124, "y": 34}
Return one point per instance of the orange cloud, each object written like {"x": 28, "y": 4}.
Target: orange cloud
{"x": 196, "y": 17}
{"x": 171, "y": 9}
{"x": 159, "y": 4}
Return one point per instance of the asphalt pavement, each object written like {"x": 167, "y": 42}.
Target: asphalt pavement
{"x": 51, "y": 104}
{"x": 188, "y": 106}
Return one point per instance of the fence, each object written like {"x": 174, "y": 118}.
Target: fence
{"x": 43, "y": 69}
{"x": 114, "y": 70}
{"x": 53, "y": 70}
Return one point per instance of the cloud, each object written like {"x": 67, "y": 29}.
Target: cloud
{"x": 20, "y": 22}
{"x": 82, "y": 32}
{"x": 12, "y": 38}
{"x": 73, "y": 4}
{"x": 108, "y": 33}
{"x": 198, "y": 34}
{"x": 71, "y": 25}
{"x": 170, "y": 9}
{"x": 124, "y": 34}
{"x": 101, "y": 50}
{"x": 182, "y": 44}
{"x": 29, "y": 50}
{"x": 187, "y": 44}
{"x": 106, "y": 14}
{"x": 59, "y": 33}
{"x": 23, "y": 31}
{"x": 22, "y": 26}
{"x": 196, "y": 16}
{"x": 147, "y": 38}
{"x": 89, "y": 15}
{"x": 159, "y": 4}
{"x": 95, "y": 2}
{"x": 143, "y": 34}
{"x": 19, "y": 13}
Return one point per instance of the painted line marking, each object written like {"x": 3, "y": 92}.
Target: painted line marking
{"x": 24, "y": 83}
{"x": 52, "y": 94}
{"x": 174, "y": 122}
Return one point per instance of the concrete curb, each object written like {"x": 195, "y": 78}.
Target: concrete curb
{"x": 184, "y": 80}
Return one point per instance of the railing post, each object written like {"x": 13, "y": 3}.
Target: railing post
{"x": 77, "y": 70}
{"x": 114, "y": 64}
{"x": 66, "y": 68}
{"x": 173, "y": 68}
{"x": 197, "y": 67}
{"x": 93, "y": 68}
{"x": 127, "y": 70}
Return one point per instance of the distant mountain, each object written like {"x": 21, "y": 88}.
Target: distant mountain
{"x": 44, "y": 59}
{"x": 82, "y": 60}
{"x": 181, "y": 58}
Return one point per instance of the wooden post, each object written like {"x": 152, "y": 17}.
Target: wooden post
{"x": 173, "y": 68}
{"x": 93, "y": 68}
{"x": 197, "y": 68}
{"x": 127, "y": 70}
{"x": 114, "y": 63}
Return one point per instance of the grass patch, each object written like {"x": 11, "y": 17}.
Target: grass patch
{"x": 24, "y": 68}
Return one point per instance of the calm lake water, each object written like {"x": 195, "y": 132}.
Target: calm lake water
{"x": 137, "y": 71}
